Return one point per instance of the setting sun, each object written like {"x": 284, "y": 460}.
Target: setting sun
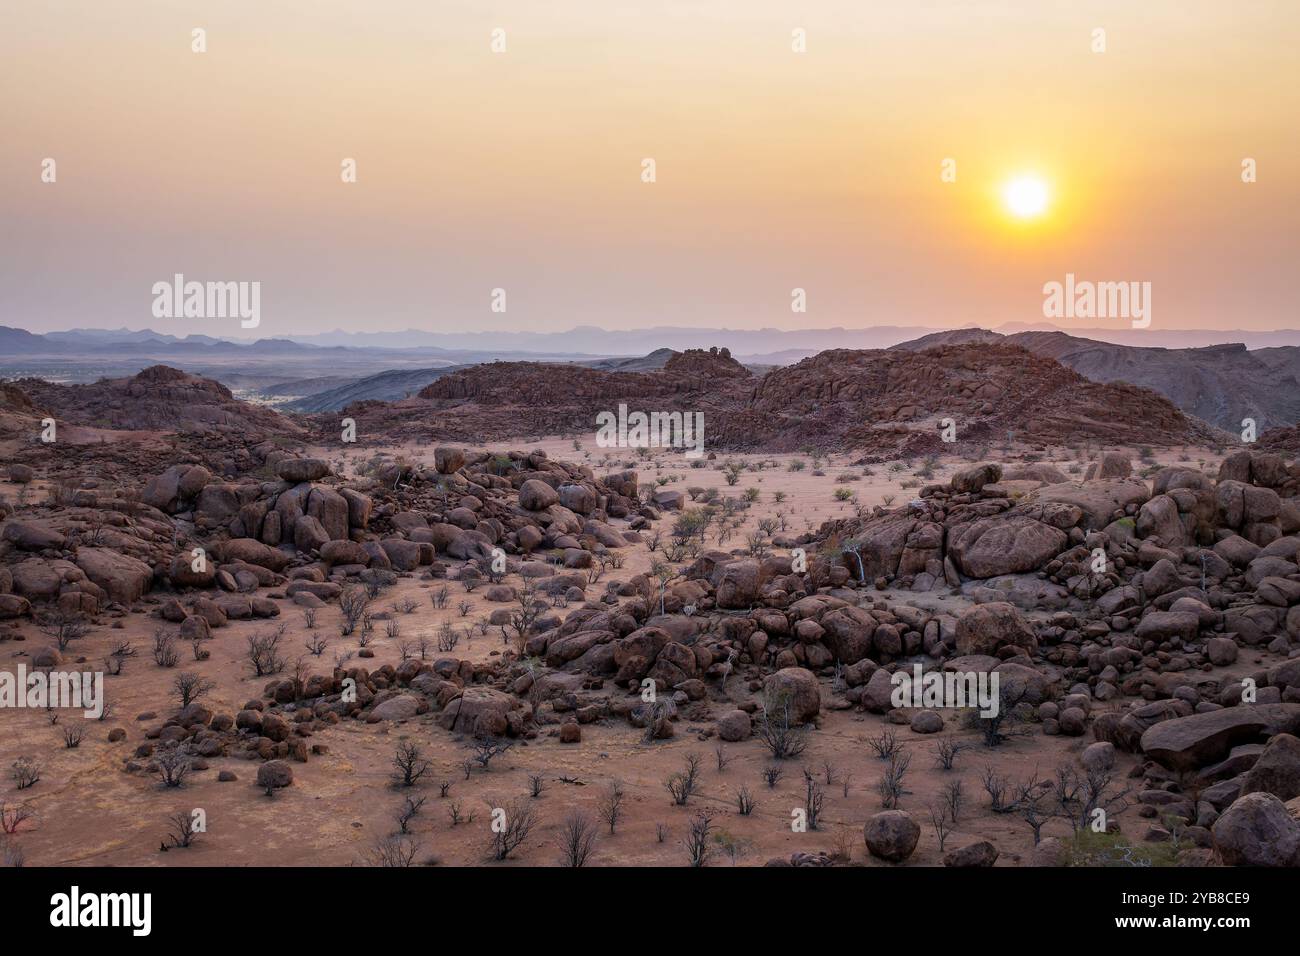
{"x": 1025, "y": 197}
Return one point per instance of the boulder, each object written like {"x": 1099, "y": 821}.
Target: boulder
{"x": 252, "y": 551}
{"x": 448, "y": 460}
{"x": 985, "y": 628}
{"x": 1277, "y": 771}
{"x": 123, "y": 578}
{"x": 297, "y": 470}
{"x": 1000, "y": 544}
{"x": 274, "y": 775}
{"x": 537, "y": 495}
{"x": 1186, "y": 743}
{"x": 734, "y": 725}
{"x": 1256, "y": 830}
{"x": 799, "y": 687}
{"x": 891, "y": 835}
{"x": 982, "y": 853}
{"x": 974, "y": 478}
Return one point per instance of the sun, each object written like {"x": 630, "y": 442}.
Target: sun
{"x": 1026, "y": 197}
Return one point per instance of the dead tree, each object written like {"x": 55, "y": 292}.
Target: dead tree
{"x": 511, "y": 827}
{"x": 610, "y": 805}
{"x": 409, "y": 764}
{"x": 190, "y": 687}
{"x": 683, "y": 784}
{"x": 576, "y": 839}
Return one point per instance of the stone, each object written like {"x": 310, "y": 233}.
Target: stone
{"x": 891, "y": 835}
{"x": 1256, "y": 830}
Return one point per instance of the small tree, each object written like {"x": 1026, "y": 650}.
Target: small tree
{"x": 683, "y": 784}
{"x": 610, "y": 805}
{"x": 698, "y": 839}
{"x": 511, "y": 827}
{"x": 776, "y": 727}
{"x": 64, "y": 626}
{"x": 190, "y": 687}
{"x": 576, "y": 840}
{"x": 409, "y": 763}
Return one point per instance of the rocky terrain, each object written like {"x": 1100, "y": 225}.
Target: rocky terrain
{"x": 882, "y": 402}
{"x": 369, "y": 653}
{"x": 1220, "y": 384}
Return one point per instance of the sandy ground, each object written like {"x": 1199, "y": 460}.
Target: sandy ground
{"x": 88, "y": 810}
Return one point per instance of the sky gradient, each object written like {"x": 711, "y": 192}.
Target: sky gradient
{"x": 521, "y": 170}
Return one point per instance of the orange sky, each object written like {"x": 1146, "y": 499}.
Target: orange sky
{"x": 521, "y": 170}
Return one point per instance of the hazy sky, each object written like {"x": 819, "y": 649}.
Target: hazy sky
{"x": 522, "y": 170}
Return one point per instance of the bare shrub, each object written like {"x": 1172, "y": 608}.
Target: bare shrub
{"x": 891, "y": 782}
{"x": 64, "y": 626}
{"x": 174, "y": 765}
{"x": 407, "y": 812}
{"x": 610, "y": 805}
{"x": 813, "y": 800}
{"x": 25, "y": 772}
{"x": 394, "y": 851}
{"x": 409, "y": 763}
{"x": 576, "y": 839}
{"x": 699, "y": 845}
{"x": 745, "y": 802}
{"x": 11, "y": 818}
{"x": 164, "y": 649}
{"x": 353, "y": 603}
{"x": 180, "y": 830}
{"x": 484, "y": 749}
{"x": 777, "y": 729}
{"x": 683, "y": 784}
{"x": 885, "y": 744}
{"x": 264, "y": 652}
{"x": 512, "y": 827}
{"x": 190, "y": 687}
{"x": 947, "y": 751}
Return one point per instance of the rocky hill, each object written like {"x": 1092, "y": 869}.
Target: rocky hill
{"x": 882, "y": 402}
{"x": 158, "y": 399}
{"x": 1221, "y": 384}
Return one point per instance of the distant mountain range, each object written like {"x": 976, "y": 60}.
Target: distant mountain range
{"x": 1220, "y": 377}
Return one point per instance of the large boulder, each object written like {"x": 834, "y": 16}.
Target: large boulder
{"x": 1257, "y": 831}
{"x": 740, "y": 585}
{"x": 1186, "y": 743}
{"x": 183, "y": 572}
{"x": 537, "y": 495}
{"x": 123, "y": 578}
{"x": 331, "y": 509}
{"x": 298, "y": 470}
{"x": 891, "y": 835}
{"x": 1099, "y": 500}
{"x": 252, "y": 551}
{"x": 975, "y": 477}
{"x": 481, "y": 711}
{"x": 799, "y": 687}
{"x": 31, "y": 537}
{"x": 1001, "y": 544}
{"x": 848, "y": 633}
{"x": 1277, "y": 771}
{"x": 985, "y": 628}
{"x": 448, "y": 460}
